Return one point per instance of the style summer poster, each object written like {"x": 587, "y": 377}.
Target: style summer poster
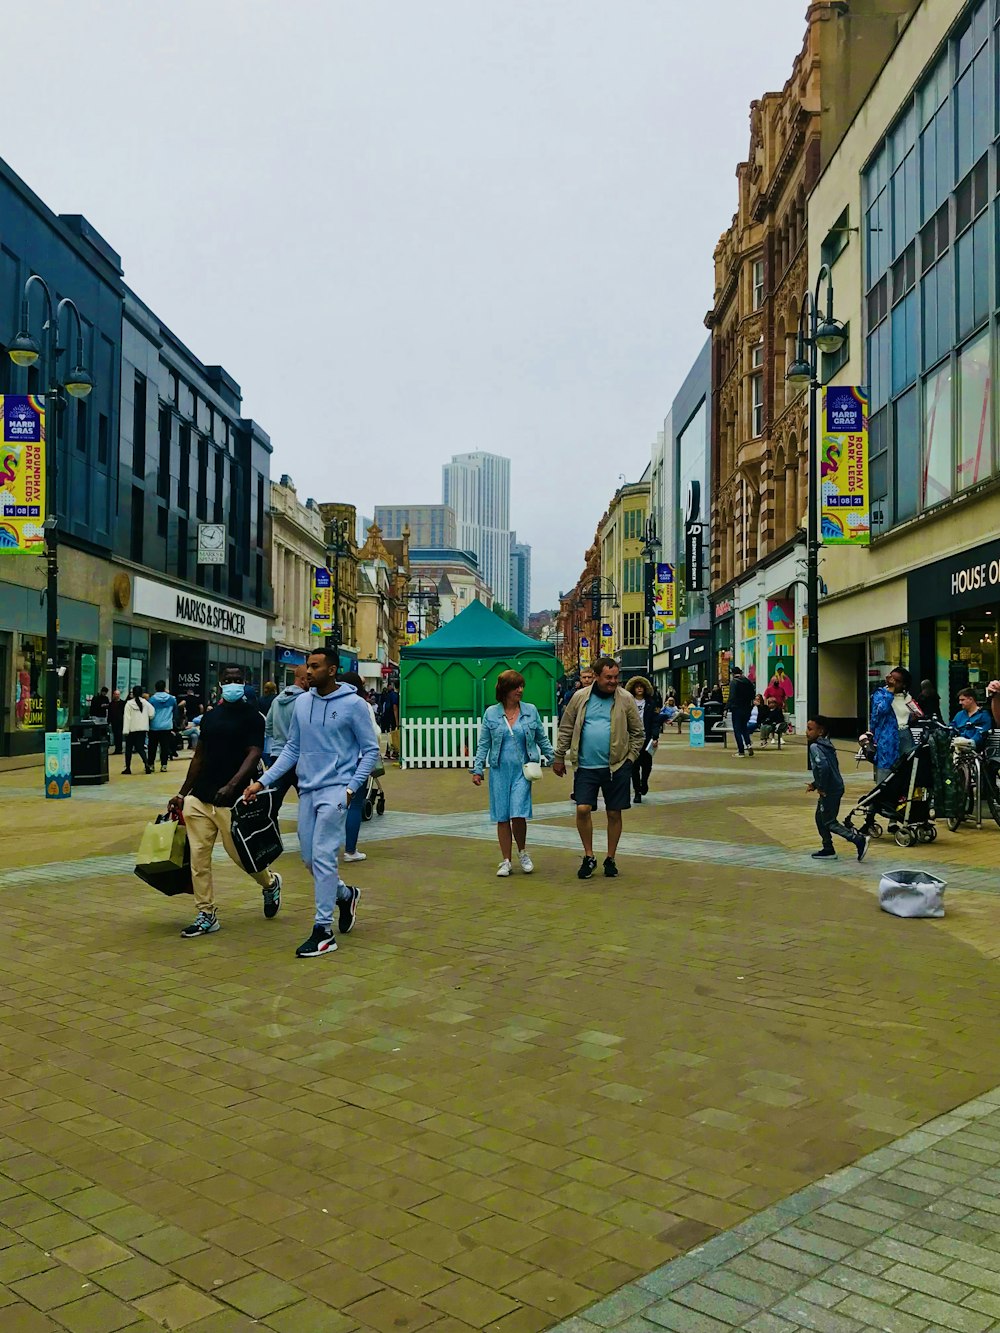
{"x": 665, "y": 599}
{"x": 22, "y": 474}
{"x": 322, "y": 603}
{"x": 844, "y": 508}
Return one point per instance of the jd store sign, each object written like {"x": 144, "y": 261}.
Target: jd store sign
{"x": 957, "y": 583}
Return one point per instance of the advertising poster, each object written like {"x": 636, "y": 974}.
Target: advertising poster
{"x": 665, "y": 599}
{"x": 585, "y": 650}
{"x": 607, "y": 641}
{"x": 696, "y": 727}
{"x": 22, "y": 474}
{"x": 322, "y": 603}
{"x": 843, "y": 475}
{"x": 748, "y": 642}
{"x": 412, "y": 633}
{"x": 781, "y": 646}
{"x": 58, "y": 771}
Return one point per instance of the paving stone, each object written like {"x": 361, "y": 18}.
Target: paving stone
{"x": 872, "y": 1315}
{"x": 259, "y": 1294}
{"x": 176, "y": 1306}
{"x": 619, "y": 1307}
{"x": 96, "y": 1313}
{"x": 91, "y": 1253}
{"x": 815, "y": 1317}
{"x": 962, "y": 1319}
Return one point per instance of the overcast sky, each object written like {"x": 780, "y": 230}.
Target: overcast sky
{"x": 412, "y": 228}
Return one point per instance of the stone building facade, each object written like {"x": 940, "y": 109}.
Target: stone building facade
{"x": 298, "y": 547}
{"x": 760, "y": 449}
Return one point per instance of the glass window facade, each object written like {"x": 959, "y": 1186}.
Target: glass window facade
{"x": 931, "y": 246}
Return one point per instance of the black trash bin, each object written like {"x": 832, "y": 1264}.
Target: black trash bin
{"x": 713, "y": 716}
{"x": 89, "y": 744}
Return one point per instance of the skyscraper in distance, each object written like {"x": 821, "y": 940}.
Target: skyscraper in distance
{"x": 520, "y": 579}
{"x": 477, "y": 487}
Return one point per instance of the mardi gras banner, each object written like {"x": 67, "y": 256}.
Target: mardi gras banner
{"x": 22, "y": 474}
{"x": 665, "y": 599}
{"x": 843, "y": 474}
{"x": 322, "y": 602}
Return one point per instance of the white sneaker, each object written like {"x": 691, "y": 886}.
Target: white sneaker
{"x": 504, "y": 871}
{"x": 527, "y": 865}
{"x": 355, "y": 856}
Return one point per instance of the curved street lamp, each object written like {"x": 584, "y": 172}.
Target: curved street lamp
{"x": 825, "y": 335}
{"x": 25, "y": 351}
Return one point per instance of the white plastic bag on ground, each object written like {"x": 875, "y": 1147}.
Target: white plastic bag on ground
{"x": 911, "y": 893}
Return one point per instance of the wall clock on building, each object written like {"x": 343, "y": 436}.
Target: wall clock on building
{"x": 211, "y": 543}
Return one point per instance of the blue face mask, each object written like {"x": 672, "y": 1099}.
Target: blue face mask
{"x": 233, "y": 693}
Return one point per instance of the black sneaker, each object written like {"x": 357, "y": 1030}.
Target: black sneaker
{"x": 587, "y": 867}
{"x": 637, "y": 799}
{"x": 825, "y": 854}
{"x": 321, "y": 941}
{"x": 610, "y": 869}
{"x": 347, "y": 910}
{"x": 863, "y": 845}
{"x": 272, "y": 897}
{"x": 205, "y": 923}
{"x": 163, "y": 768}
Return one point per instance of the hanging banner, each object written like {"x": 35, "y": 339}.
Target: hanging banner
{"x": 22, "y": 475}
{"x": 58, "y": 767}
{"x": 664, "y": 599}
{"x": 412, "y": 635}
{"x": 844, "y": 509}
{"x": 322, "y": 603}
{"x": 607, "y": 641}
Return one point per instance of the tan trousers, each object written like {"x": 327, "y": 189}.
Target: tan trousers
{"x": 205, "y": 823}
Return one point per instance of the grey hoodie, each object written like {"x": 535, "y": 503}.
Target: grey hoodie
{"x": 279, "y": 719}
{"x": 331, "y": 742}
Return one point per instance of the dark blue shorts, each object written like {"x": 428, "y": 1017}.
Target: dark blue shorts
{"x": 616, "y": 788}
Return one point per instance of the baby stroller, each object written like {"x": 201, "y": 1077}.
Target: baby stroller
{"x": 374, "y": 799}
{"x": 904, "y": 798}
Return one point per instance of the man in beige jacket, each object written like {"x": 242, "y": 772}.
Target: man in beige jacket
{"x": 602, "y": 735}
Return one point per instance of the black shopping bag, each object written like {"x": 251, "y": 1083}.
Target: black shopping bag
{"x": 256, "y": 835}
{"x": 168, "y": 878}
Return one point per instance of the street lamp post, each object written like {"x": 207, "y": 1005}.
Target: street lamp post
{"x": 430, "y": 597}
{"x": 597, "y": 595}
{"x": 339, "y": 547}
{"x": 821, "y": 335}
{"x": 650, "y": 551}
{"x": 25, "y": 350}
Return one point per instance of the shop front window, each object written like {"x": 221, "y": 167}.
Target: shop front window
{"x": 29, "y": 682}
{"x": 85, "y": 684}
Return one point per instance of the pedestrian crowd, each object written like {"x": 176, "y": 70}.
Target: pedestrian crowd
{"x": 324, "y": 734}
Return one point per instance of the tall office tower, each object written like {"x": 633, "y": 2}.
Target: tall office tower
{"x": 477, "y": 487}
{"x": 520, "y": 579}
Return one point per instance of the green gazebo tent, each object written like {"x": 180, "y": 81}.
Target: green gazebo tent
{"x": 452, "y": 673}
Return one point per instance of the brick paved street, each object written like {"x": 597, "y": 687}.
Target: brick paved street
{"x": 499, "y": 1103}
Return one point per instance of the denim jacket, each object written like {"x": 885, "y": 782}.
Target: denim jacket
{"x": 494, "y": 731}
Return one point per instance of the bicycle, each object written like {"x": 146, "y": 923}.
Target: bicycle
{"x": 976, "y": 778}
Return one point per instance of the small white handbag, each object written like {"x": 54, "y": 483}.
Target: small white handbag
{"x": 531, "y": 771}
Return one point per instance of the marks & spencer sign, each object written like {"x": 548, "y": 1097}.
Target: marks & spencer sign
{"x": 190, "y": 610}
{"x": 957, "y": 583}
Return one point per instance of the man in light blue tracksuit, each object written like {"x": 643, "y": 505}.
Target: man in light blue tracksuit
{"x": 161, "y": 726}
{"x": 333, "y": 747}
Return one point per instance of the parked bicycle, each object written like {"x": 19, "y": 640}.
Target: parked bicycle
{"x": 977, "y": 778}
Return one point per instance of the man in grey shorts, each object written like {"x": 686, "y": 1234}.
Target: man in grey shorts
{"x": 602, "y": 734}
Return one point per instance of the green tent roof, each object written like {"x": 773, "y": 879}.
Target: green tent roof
{"x": 477, "y": 632}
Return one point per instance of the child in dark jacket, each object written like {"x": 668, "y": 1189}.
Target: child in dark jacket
{"x": 829, "y": 786}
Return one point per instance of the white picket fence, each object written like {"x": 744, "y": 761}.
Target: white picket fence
{"x": 446, "y": 742}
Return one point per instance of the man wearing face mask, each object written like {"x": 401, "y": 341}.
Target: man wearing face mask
{"x": 229, "y": 750}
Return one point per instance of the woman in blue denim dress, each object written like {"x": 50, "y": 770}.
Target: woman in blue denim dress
{"x": 512, "y": 735}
